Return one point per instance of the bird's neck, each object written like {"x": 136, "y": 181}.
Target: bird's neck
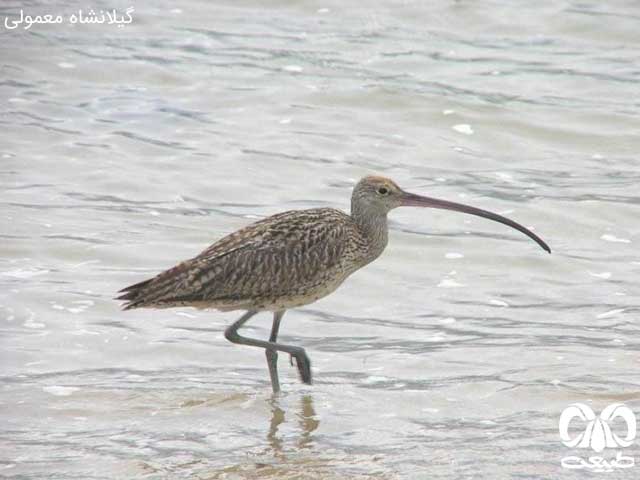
{"x": 373, "y": 226}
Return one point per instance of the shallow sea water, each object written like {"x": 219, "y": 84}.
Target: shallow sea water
{"x": 125, "y": 150}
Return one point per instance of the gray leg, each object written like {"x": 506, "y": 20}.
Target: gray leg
{"x": 304, "y": 364}
{"x": 272, "y": 355}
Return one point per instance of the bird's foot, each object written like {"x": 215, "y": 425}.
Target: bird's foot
{"x": 304, "y": 366}
{"x": 272, "y": 362}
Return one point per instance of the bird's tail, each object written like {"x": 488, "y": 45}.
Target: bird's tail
{"x": 162, "y": 289}
{"x": 134, "y": 295}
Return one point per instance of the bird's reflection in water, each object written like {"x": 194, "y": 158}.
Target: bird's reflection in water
{"x": 307, "y": 423}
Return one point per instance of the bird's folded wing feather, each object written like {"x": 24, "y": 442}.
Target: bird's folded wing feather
{"x": 279, "y": 255}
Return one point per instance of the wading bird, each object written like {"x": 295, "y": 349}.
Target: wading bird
{"x": 288, "y": 260}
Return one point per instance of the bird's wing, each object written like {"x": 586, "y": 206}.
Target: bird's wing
{"x": 280, "y": 255}
{"x": 283, "y": 254}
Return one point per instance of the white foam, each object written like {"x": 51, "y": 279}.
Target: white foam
{"x": 463, "y": 128}
{"x": 499, "y": 303}
{"x": 611, "y": 313}
{"x": 84, "y": 331}
{"x": 436, "y": 338}
{"x": 613, "y": 238}
{"x": 504, "y": 176}
{"x": 28, "y": 273}
{"x": 376, "y": 379}
{"x": 450, "y": 283}
{"x": 60, "y": 391}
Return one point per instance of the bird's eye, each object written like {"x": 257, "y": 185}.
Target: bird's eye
{"x": 383, "y": 190}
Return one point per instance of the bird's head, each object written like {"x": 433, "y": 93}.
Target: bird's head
{"x": 376, "y": 196}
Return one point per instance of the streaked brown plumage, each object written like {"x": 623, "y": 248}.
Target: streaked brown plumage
{"x": 287, "y": 260}
{"x": 281, "y": 262}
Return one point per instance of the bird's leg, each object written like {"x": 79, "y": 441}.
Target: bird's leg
{"x": 304, "y": 364}
{"x": 272, "y": 355}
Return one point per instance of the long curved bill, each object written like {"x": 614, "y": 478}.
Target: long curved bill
{"x": 412, "y": 200}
